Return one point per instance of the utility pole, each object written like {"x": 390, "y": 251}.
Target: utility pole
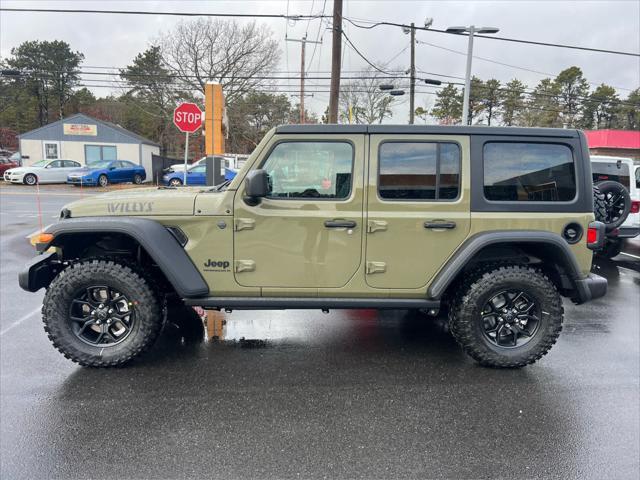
{"x": 412, "y": 88}
{"x": 336, "y": 57}
{"x": 302, "y": 41}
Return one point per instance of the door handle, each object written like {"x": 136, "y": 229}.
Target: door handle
{"x": 340, "y": 224}
{"x": 436, "y": 224}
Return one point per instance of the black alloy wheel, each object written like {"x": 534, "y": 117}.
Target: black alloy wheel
{"x": 101, "y": 316}
{"x": 510, "y": 318}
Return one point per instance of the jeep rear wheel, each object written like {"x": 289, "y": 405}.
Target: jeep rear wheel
{"x": 100, "y": 313}
{"x": 507, "y": 317}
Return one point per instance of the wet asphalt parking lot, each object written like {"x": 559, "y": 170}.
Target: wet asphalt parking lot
{"x": 301, "y": 394}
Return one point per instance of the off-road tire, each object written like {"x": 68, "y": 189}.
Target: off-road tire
{"x": 137, "y": 179}
{"x": 609, "y": 187}
{"x": 30, "y": 179}
{"x": 612, "y": 248}
{"x": 147, "y": 307}
{"x": 599, "y": 205}
{"x": 103, "y": 180}
{"x": 466, "y": 324}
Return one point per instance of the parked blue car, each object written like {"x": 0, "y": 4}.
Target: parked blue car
{"x": 196, "y": 175}
{"x": 104, "y": 173}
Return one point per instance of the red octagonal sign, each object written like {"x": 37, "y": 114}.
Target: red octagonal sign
{"x": 188, "y": 117}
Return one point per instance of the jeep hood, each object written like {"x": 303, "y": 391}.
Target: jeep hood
{"x": 145, "y": 202}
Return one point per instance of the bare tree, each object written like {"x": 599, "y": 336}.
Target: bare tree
{"x": 367, "y": 102}
{"x": 237, "y": 56}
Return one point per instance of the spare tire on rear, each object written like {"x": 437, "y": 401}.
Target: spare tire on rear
{"x": 611, "y": 203}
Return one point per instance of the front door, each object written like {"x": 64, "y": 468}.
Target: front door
{"x": 418, "y": 207}
{"x": 307, "y": 233}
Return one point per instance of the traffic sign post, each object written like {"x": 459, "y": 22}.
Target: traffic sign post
{"x": 188, "y": 118}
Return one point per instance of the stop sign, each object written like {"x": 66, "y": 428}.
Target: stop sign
{"x": 188, "y": 117}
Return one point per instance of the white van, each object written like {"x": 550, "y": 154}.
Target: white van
{"x": 624, "y": 171}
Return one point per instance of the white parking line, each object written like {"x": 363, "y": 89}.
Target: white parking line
{"x": 630, "y": 255}
{"x": 19, "y": 321}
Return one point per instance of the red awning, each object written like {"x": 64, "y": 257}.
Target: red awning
{"x": 613, "y": 139}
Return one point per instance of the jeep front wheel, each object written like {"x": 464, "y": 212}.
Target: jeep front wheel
{"x": 507, "y": 317}
{"x": 100, "y": 313}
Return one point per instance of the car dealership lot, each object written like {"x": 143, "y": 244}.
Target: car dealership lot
{"x": 302, "y": 394}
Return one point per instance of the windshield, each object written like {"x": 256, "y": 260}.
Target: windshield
{"x": 99, "y": 165}
{"x": 41, "y": 163}
{"x": 15, "y": 157}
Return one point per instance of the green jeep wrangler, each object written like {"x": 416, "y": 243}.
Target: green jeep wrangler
{"x": 491, "y": 226}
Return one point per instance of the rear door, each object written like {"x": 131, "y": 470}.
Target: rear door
{"x": 418, "y": 207}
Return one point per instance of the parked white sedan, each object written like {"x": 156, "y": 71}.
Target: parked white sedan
{"x": 44, "y": 171}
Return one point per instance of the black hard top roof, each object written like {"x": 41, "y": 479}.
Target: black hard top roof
{"x": 428, "y": 129}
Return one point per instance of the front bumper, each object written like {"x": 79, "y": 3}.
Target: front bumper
{"x": 589, "y": 288}
{"x": 13, "y": 178}
{"x": 39, "y": 272}
{"x": 81, "y": 181}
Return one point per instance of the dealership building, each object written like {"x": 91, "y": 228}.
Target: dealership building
{"x": 86, "y": 140}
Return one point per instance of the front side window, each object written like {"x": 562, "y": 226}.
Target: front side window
{"x": 310, "y": 170}
{"x": 419, "y": 171}
{"x": 199, "y": 169}
{"x": 529, "y": 172}
{"x": 56, "y": 164}
{"x": 618, "y": 172}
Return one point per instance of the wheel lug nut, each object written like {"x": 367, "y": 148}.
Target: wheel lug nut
{"x": 111, "y": 310}
{"x": 101, "y": 305}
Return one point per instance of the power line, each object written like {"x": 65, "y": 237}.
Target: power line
{"x": 493, "y": 37}
{"x": 174, "y": 14}
{"x": 546, "y": 74}
{"x": 372, "y": 24}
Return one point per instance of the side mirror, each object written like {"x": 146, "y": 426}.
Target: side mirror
{"x": 256, "y": 186}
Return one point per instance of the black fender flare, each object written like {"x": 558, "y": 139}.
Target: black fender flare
{"x": 159, "y": 243}
{"x": 557, "y": 247}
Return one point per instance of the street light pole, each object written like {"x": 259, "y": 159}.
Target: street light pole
{"x": 467, "y": 78}
{"x": 471, "y": 30}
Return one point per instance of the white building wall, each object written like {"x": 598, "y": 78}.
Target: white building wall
{"x": 31, "y": 149}
{"x": 75, "y": 151}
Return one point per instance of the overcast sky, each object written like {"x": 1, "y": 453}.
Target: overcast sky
{"x": 114, "y": 40}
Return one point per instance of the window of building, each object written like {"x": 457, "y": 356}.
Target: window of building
{"x": 419, "y": 171}
{"x": 618, "y": 172}
{"x": 99, "y": 153}
{"x": 310, "y": 170}
{"x": 529, "y": 172}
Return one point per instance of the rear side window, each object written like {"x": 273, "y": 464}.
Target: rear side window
{"x": 529, "y": 172}
{"x": 610, "y": 171}
{"x": 419, "y": 171}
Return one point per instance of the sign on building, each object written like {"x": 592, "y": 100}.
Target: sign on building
{"x": 80, "y": 129}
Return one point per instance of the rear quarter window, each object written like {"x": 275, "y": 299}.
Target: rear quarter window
{"x": 528, "y": 172}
